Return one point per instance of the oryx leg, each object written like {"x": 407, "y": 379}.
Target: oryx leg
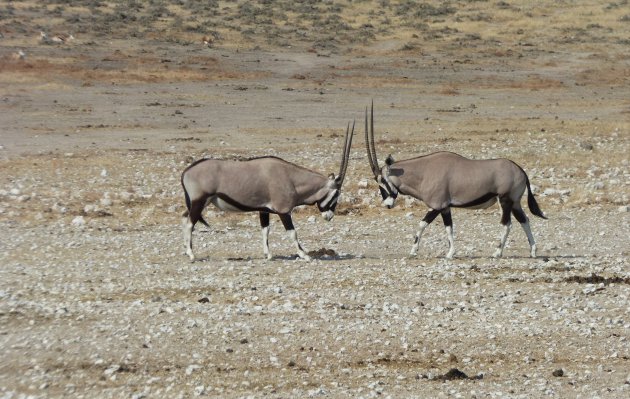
{"x": 506, "y": 221}
{"x": 264, "y": 224}
{"x": 518, "y": 213}
{"x": 196, "y": 207}
{"x": 428, "y": 218}
{"x": 448, "y": 224}
{"x": 287, "y": 222}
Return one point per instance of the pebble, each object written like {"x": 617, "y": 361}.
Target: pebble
{"x": 78, "y": 221}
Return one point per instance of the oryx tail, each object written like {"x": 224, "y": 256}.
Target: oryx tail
{"x": 531, "y": 200}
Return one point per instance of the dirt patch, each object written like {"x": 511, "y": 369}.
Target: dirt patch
{"x": 597, "y": 279}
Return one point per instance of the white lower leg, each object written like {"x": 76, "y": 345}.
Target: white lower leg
{"x": 451, "y": 242}
{"x": 265, "y": 238}
{"x": 499, "y": 252}
{"x": 416, "y": 244}
{"x": 188, "y": 227}
{"x": 530, "y": 238}
{"x": 300, "y": 251}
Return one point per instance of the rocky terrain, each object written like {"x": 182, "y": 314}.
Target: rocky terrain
{"x": 97, "y": 298}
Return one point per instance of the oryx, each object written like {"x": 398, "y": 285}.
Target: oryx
{"x": 266, "y": 185}
{"x": 444, "y": 179}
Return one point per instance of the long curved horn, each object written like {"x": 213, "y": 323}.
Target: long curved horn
{"x": 346, "y": 154}
{"x": 369, "y": 141}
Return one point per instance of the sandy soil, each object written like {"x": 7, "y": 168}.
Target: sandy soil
{"x": 97, "y": 298}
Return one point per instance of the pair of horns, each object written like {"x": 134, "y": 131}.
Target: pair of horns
{"x": 346, "y": 154}
{"x": 369, "y": 141}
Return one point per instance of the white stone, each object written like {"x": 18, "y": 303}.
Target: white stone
{"x": 78, "y": 221}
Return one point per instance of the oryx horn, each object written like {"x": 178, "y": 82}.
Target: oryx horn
{"x": 346, "y": 154}
{"x": 369, "y": 141}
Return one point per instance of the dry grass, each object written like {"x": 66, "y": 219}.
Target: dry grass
{"x": 323, "y": 25}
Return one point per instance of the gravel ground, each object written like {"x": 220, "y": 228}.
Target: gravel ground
{"x": 101, "y": 301}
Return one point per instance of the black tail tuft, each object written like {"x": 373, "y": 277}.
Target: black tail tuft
{"x": 202, "y": 220}
{"x": 531, "y": 201}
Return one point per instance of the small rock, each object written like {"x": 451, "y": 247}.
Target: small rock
{"x": 200, "y": 390}
{"x": 586, "y": 146}
{"x": 558, "y": 373}
{"x": 623, "y": 208}
{"x": 111, "y": 370}
{"x": 191, "y": 368}
{"x": 78, "y": 221}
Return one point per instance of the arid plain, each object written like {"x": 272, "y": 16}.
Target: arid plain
{"x": 100, "y": 115}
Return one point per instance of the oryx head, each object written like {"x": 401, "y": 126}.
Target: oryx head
{"x": 389, "y": 191}
{"x": 332, "y": 189}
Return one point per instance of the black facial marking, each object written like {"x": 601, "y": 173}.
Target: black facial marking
{"x": 384, "y": 193}
{"x": 331, "y": 205}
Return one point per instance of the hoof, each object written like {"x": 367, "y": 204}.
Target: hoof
{"x": 305, "y": 257}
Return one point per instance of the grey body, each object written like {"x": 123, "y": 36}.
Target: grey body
{"x": 443, "y": 180}
{"x": 446, "y": 179}
{"x": 266, "y": 185}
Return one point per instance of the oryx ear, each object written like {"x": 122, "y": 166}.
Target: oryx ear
{"x": 334, "y": 180}
{"x": 390, "y": 160}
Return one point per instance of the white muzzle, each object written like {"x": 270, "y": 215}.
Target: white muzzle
{"x": 328, "y": 215}
{"x": 388, "y": 202}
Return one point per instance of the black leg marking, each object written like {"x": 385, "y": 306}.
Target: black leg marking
{"x": 264, "y": 219}
{"x": 506, "y": 206}
{"x": 430, "y": 216}
{"x": 519, "y": 215}
{"x": 446, "y": 217}
{"x": 287, "y": 222}
{"x": 196, "y": 208}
